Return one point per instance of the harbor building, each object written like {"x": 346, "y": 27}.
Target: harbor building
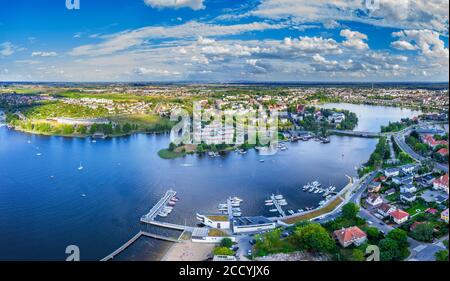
{"x": 252, "y": 224}
{"x": 218, "y": 221}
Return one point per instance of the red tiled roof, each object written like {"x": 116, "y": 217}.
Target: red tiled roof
{"x": 346, "y": 235}
{"x": 443, "y": 151}
{"x": 429, "y": 139}
{"x": 414, "y": 225}
{"x": 442, "y": 180}
{"x": 399, "y": 214}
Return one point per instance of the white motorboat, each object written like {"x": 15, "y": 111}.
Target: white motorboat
{"x": 269, "y": 203}
{"x": 273, "y": 210}
{"x": 278, "y": 197}
{"x": 237, "y": 199}
{"x": 80, "y": 167}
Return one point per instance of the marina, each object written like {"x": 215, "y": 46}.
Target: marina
{"x": 161, "y": 207}
{"x": 143, "y": 178}
{"x": 278, "y": 201}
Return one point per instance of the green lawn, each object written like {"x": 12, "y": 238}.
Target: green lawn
{"x": 418, "y": 206}
{"x": 168, "y": 154}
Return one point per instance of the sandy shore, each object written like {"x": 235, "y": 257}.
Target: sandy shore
{"x": 188, "y": 251}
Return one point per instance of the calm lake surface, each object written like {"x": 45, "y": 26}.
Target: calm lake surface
{"x": 46, "y": 204}
{"x": 371, "y": 117}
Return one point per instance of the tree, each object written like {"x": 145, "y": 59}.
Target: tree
{"x": 172, "y": 146}
{"x": 441, "y": 255}
{"x": 423, "y": 232}
{"x": 357, "y": 255}
{"x": 389, "y": 250}
{"x": 373, "y": 233}
{"x": 312, "y": 237}
{"x": 350, "y": 211}
{"x": 400, "y": 236}
{"x": 226, "y": 242}
{"x": 126, "y": 128}
{"x": 223, "y": 251}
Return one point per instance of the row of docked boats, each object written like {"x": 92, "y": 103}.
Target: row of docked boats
{"x": 275, "y": 200}
{"x": 168, "y": 208}
{"x": 234, "y": 203}
{"x": 316, "y": 188}
{"x": 213, "y": 154}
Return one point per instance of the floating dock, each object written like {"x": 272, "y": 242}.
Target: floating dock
{"x": 275, "y": 202}
{"x": 151, "y": 215}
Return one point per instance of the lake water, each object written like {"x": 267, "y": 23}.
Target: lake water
{"x": 46, "y": 204}
{"x": 371, "y": 117}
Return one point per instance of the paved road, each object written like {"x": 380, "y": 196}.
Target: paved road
{"x": 400, "y": 140}
{"x": 243, "y": 242}
{"x": 426, "y": 251}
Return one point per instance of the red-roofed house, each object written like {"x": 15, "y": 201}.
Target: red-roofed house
{"x": 414, "y": 225}
{"x": 429, "y": 139}
{"x": 443, "y": 151}
{"x": 441, "y": 183}
{"x": 348, "y": 236}
{"x": 399, "y": 216}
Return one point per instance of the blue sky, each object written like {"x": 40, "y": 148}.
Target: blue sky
{"x": 224, "y": 40}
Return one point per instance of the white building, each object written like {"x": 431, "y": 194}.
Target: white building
{"x": 374, "y": 200}
{"x": 218, "y": 221}
{"x": 391, "y": 172}
{"x": 252, "y": 224}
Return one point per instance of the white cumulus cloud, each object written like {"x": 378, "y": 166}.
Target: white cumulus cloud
{"x": 176, "y": 4}
{"x": 354, "y": 39}
{"x": 44, "y": 54}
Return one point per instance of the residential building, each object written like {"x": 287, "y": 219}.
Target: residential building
{"x": 350, "y": 236}
{"x": 443, "y": 152}
{"x": 441, "y": 183}
{"x": 390, "y": 191}
{"x": 408, "y": 179}
{"x": 385, "y": 209}
{"x": 426, "y": 180}
{"x": 399, "y": 216}
{"x": 374, "y": 200}
{"x": 408, "y": 188}
{"x": 391, "y": 172}
{"x": 429, "y": 139}
{"x": 408, "y": 197}
{"x": 408, "y": 168}
{"x": 374, "y": 187}
{"x": 414, "y": 225}
{"x": 444, "y": 215}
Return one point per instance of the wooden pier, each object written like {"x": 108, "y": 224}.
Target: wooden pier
{"x": 134, "y": 239}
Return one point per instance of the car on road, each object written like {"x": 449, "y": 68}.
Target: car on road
{"x": 249, "y": 253}
{"x": 369, "y": 222}
{"x": 234, "y": 248}
{"x": 252, "y": 242}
